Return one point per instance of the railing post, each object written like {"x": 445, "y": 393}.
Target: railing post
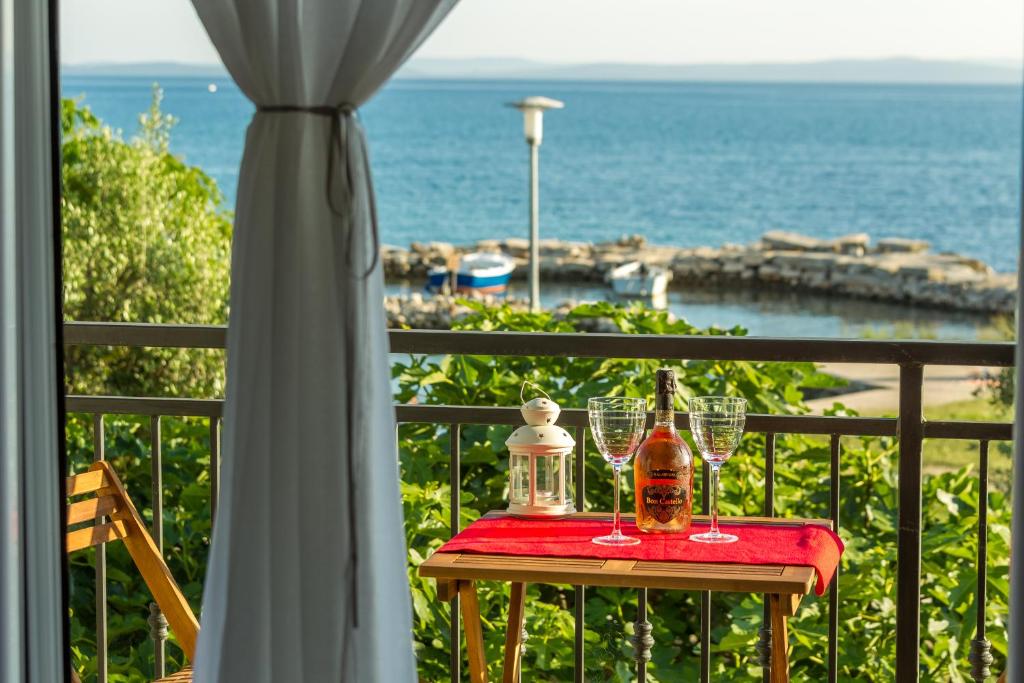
{"x": 764, "y": 634}
{"x": 579, "y": 660}
{"x": 833, "y": 587}
{"x": 980, "y": 655}
{"x": 908, "y": 549}
{"x": 705, "y": 596}
{"x": 642, "y": 639}
{"x": 158, "y": 632}
{"x": 455, "y": 501}
{"x": 99, "y": 453}
{"x": 157, "y": 622}
{"x": 523, "y": 637}
{"x": 214, "y": 466}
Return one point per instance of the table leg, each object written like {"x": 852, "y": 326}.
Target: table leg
{"x": 447, "y": 589}
{"x": 514, "y": 634}
{"x": 474, "y": 632}
{"x": 780, "y": 641}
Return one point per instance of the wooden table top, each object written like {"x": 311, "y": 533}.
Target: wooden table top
{"x": 794, "y": 580}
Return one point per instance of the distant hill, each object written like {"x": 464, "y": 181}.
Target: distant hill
{"x": 489, "y": 67}
{"x": 892, "y": 70}
{"x": 147, "y": 69}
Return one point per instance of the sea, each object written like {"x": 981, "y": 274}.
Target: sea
{"x": 685, "y": 164}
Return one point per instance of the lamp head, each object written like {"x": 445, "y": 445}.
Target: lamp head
{"x": 533, "y": 116}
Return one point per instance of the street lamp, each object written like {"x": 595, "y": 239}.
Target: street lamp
{"x": 533, "y": 127}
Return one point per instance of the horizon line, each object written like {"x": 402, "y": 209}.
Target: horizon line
{"x": 772, "y": 62}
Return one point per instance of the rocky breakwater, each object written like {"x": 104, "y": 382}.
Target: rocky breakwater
{"x": 893, "y": 269}
{"x": 429, "y": 312}
{"x": 438, "y": 312}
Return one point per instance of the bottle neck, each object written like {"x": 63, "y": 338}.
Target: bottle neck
{"x": 664, "y": 415}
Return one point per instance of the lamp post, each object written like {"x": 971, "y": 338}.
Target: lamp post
{"x": 533, "y": 127}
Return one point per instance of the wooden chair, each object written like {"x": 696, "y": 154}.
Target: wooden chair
{"x": 114, "y": 518}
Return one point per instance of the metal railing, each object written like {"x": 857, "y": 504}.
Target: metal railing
{"x": 909, "y": 426}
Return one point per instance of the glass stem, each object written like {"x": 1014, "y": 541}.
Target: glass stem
{"x": 615, "y": 525}
{"x": 714, "y": 499}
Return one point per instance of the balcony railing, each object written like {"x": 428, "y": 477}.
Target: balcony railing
{"x": 909, "y": 426}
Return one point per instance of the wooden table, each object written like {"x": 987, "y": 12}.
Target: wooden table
{"x": 456, "y": 574}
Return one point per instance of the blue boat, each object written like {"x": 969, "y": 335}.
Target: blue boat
{"x": 478, "y": 273}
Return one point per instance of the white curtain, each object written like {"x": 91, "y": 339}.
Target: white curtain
{"x": 307, "y": 576}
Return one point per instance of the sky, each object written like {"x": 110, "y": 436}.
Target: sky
{"x": 637, "y": 31}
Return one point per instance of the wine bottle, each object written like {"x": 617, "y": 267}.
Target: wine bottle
{"x": 663, "y": 471}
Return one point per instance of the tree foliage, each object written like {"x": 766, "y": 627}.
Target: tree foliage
{"x": 146, "y": 239}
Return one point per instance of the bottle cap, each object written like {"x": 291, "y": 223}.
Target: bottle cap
{"x": 666, "y": 382}
{"x": 665, "y": 391}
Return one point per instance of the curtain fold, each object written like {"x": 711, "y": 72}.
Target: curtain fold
{"x": 307, "y": 574}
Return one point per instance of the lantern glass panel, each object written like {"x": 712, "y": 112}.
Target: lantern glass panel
{"x": 519, "y": 479}
{"x": 570, "y": 490}
{"x": 549, "y": 477}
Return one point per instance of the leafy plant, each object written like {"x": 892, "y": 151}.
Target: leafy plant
{"x": 998, "y": 386}
{"x": 146, "y": 239}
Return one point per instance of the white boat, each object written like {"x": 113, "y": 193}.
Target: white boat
{"x": 637, "y": 279}
{"x": 477, "y": 273}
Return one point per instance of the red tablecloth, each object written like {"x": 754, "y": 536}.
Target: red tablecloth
{"x": 809, "y": 545}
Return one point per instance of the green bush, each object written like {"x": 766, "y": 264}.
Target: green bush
{"x": 999, "y": 386}
{"x": 146, "y": 239}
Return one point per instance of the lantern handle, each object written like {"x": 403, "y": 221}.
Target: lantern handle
{"x": 536, "y": 386}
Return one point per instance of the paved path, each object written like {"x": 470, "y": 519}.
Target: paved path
{"x": 942, "y": 384}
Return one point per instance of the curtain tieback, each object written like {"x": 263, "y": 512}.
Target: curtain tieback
{"x": 336, "y": 114}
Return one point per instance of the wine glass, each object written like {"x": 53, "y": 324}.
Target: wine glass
{"x": 618, "y": 426}
{"x": 717, "y": 425}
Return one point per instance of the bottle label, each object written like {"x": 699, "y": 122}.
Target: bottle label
{"x": 664, "y": 495}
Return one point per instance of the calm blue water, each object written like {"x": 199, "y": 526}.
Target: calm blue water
{"x": 685, "y": 164}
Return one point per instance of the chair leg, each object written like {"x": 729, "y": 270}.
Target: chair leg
{"x": 474, "y": 632}
{"x": 780, "y": 641}
{"x": 514, "y": 634}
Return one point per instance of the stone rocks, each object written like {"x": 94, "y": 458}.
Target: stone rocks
{"x": 442, "y": 250}
{"x": 439, "y": 312}
{"x": 897, "y": 269}
{"x": 633, "y": 241}
{"x": 780, "y": 240}
{"x": 855, "y": 244}
{"x": 430, "y": 312}
{"x": 888, "y": 245}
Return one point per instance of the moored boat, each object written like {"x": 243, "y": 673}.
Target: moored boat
{"x": 477, "y": 273}
{"x": 638, "y": 279}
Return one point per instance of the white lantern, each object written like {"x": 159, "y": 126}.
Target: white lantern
{"x": 540, "y": 463}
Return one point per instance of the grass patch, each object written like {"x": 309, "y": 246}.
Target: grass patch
{"x": 942, "y": 455}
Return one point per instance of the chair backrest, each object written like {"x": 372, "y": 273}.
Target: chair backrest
{"x": 113, "y": 517}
